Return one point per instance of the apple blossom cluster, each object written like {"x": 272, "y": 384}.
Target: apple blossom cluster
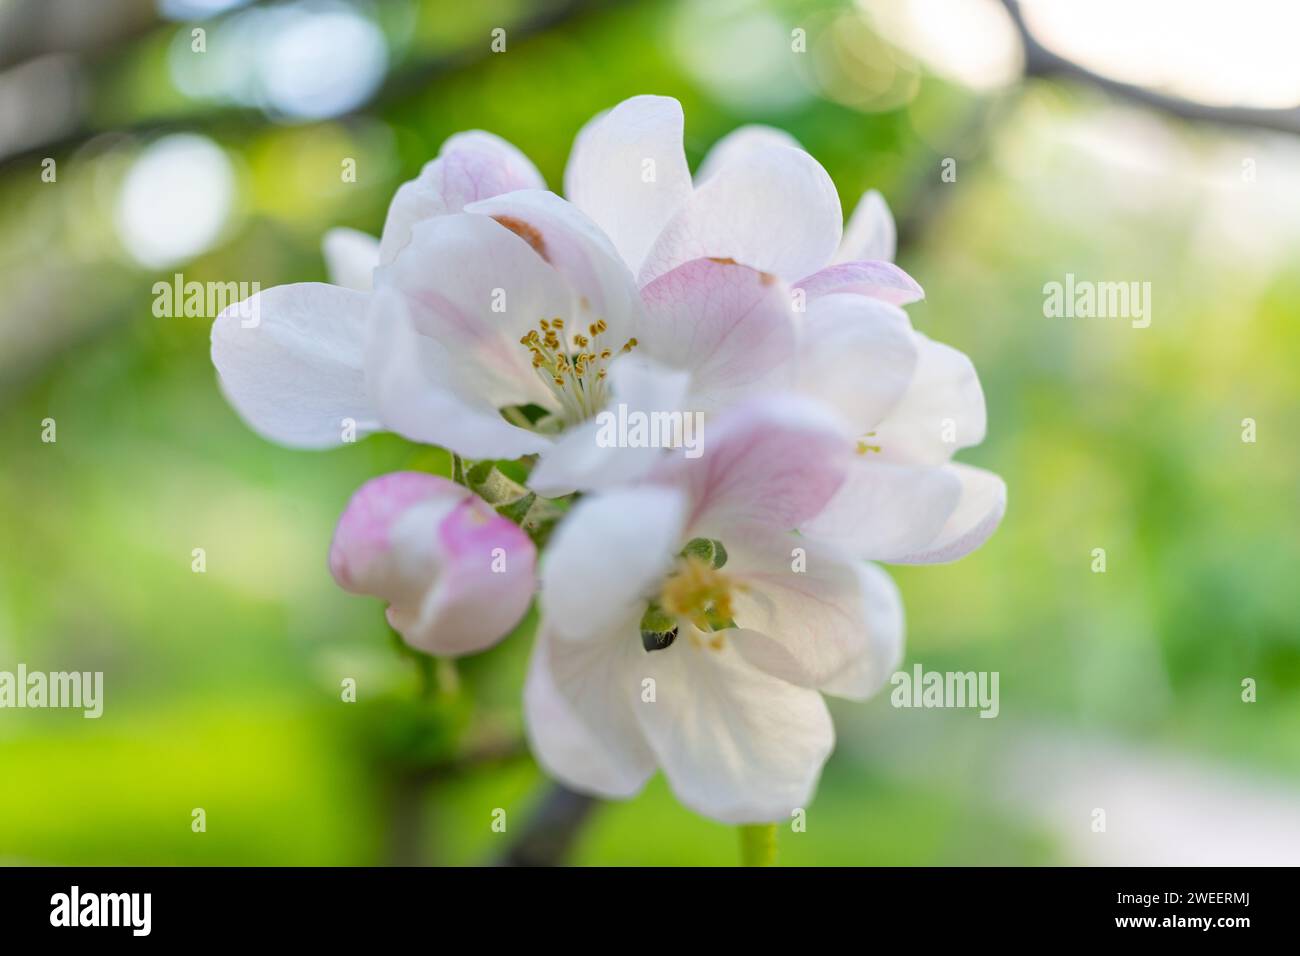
{"x": 694, "y": 609}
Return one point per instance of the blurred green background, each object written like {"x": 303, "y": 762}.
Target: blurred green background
{"x": 1120, "y": 691}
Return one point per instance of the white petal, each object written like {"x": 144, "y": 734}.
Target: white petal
{"x": 607, "y": 557}
{"x": 730, "y": 326}
{"x": 941, "y": 411}
{"x": 772, "y": 463}
{"x": 858, "y": 355}
{"x": 774, "y": 210}
{"x": 470, "y": 166}
{"x": 736, "y": 744}
{"x": 798, "y": 604}
{"x": 290, "y": 362}
{"x": 475, "y": 287}
{"x": 579, "y": 703}
{"x": 563, "y": 236}
{"x": 351, "y": 257}
{"x": 885, "y": 510}
{"x": 881, "y": 648}
{"x": 420, "y": 388}
{"x": 738, "y": 144}
{"x": 628, "y": 172}
{"x": 977, "y": 515}
{"x": 584, "y": 458}
{"x": 870, "y": 233}
{"x": 876, "y": 279}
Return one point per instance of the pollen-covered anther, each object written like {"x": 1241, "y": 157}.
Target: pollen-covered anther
{"x": 700, "y": 593}
{"x": 573, "y": 366}
{"x": 864, "y": 446}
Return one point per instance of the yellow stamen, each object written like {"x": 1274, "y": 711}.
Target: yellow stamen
{"x": 700, "y": 593}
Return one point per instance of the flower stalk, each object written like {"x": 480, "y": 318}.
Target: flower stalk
{"x": 758, "y": 844}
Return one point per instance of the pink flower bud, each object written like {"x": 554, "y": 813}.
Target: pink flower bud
{"x": 456, "y": 575}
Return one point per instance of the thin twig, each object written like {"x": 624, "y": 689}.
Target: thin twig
{"x": 1042, "y": 62}
{"x": 550, "y": 834}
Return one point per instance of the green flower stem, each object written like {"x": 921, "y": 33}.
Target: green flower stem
{"x": 447, "y": 675}
{"x": 758, "y": 844}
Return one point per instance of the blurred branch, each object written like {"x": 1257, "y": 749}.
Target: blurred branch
{"x": 407, "y": 792}
{"x": 926, "y": 191}
{"x": 33, "y": 28}
{"x": 554, "y": 828}
{"x": 1042, "y": 62}
{"x": 399, "y": 85}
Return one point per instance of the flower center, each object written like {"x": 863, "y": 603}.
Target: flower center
{"x": 696, "y": 591}
{"x": 573, "y": 365}
{"x": 700, "y": 593}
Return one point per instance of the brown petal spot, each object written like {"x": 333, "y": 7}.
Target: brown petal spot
{"x": 526, "y": 232}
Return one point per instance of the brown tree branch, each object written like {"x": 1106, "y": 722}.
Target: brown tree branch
{"x": 1042, "y": 62}
{"x": 554, "y": 828}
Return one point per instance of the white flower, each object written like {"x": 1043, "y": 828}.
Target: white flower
{"x": 499, "y": 311}
{"x": 753, "y": 622}
{"x": 694, "y": 610}
{"x": 298, "y": 375}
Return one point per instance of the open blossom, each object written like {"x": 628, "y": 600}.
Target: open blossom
{"x": 456, "y": 575}
{"x": 694, "y": 610}
{"x": 499, "y": 310}
{"x": 685, "y": 628}
{"x": 760, "y": 200}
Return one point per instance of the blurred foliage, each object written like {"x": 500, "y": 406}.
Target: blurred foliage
{"x": 222, "y": 689}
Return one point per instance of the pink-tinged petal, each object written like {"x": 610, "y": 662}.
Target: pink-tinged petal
{"x": 351, "y": 257}
{"x": 362, "y": 558}
{"x": 735, "y": 743}
{"x": 885, "y": 510}
{"x": 941, "y": 412}
{"x": 798, "y": 606}
{"x": 486, "y": 584}
{"x": 728, "y": 325}
{"x": 290, "y": 363}
{"x": 476, "y": 288}
{"x": 877, "y": 280}
{"x": 471, "y": 166}
{"x": 739, "y": 144}
{"x": 584, "y": 459}
{"x": 628, "y": 172}
{"x": 579, "y": 703}
{"x": 457, "y": 576}
{"x": 881, "y": 648}
{"x": 574, "y": 245}
{"x": 774, "y": 210}
{"x": 427, "y": 394}
{"x": 978, "y": 513}
{"x": 870, "y": 233}
{"x": 773, "y": 463}
{"x": 607, "y": 554}
{"x": 858, "y": 355}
